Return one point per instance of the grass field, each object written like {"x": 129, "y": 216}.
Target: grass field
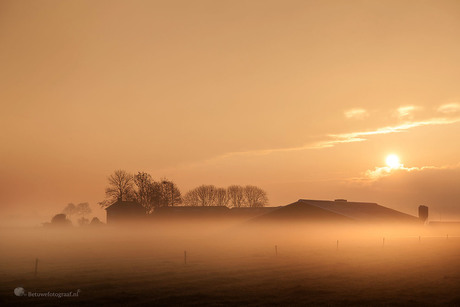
{"x": 232, "y": 265}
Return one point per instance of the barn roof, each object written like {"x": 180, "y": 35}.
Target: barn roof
{"x": 125, "y": 205}
{"x": 360, "y": 211}
{"x": 338, "y": 210}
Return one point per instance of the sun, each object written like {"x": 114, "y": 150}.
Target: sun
{"x": 393, "y": 161}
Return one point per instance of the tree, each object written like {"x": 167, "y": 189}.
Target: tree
{"x": 70, "y": 210}
{"x": 153, "y": 194}
{"x": 236, "y": 196}
{"x": 83, "y": 209}
{"x": 96, "y": 222}
{"x": 221, "y": 198}
{"x": 170, "y": 194}
{"x": 60, "y": 220}
{"x": 255, "y": 196}
{"x": 204, "y": 195}
{"x": 143, "y": 183}
{"x": 148, "y": 192}
{"x": 83, "y": 221}
{"x": 121, "y": 186}
{"x": 191, "y": 199}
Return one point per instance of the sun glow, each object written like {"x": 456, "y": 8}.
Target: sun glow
{"x": 393, "y": 161}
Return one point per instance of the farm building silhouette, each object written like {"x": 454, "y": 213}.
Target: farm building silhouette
{"x": 123, "y": 211}
{"x": 303, "y": 210}
{"x": 339, "y": 210}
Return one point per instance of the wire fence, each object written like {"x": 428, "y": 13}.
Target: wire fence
{"x": 86, "y": 263}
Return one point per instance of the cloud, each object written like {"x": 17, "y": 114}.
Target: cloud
{"x": 362, "y": 135}
{"x": 356, "y": 114}
{"x": 384, "y": 171}
{"x": 332, "y": 140}
{"x": 408, "y": 187}
{"x": 406, "y": 111}
{"x": 449, "y": 108}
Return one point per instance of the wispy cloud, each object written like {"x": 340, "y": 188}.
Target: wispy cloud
{"x": 356, "y": 113}
{"x": 332, "y": 140}
{"x": 449, "y": 108}
{"x": 385, "y": 171}
{"x": 406, "y": 111}
{"x": 362, "y": 135}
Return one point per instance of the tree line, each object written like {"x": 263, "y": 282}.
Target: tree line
{"x": 234, "y": 196}
{"x": 153, "y": 194}
{"x": 82, "y": 210}
{"x": 141, "y": 188}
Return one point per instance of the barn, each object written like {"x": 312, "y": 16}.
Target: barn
{"x": 124, "y": 211}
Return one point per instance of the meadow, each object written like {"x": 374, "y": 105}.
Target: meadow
{"x": 232, "y": 264}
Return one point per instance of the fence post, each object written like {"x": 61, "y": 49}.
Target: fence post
{"x": 185, "y": 257}
{"x": 276, "y": 250}
{"x": 36, "y": 267}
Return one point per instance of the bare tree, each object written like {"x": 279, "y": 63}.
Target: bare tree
{"x": 204, "y": 195}
{"x": 148, "y": 192}
{"x": 191, "y": 198}
{"x": 143, "y": 182}
{"x": 121, "y": 186}
{"x": 221, "y": 198}
{"x": 236, "y": 196}
{"x": 255, "y": 196}
{"x": 83, "y": 221}
{"x": 207, "y": 195}
{"x": 170, "y": 194}
{"x": 70, "y": 210}
{"x": 83, "y": 209}
{"x": 152, "y": 194}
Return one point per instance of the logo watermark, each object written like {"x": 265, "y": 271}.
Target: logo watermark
{"x": 19, "y": 291}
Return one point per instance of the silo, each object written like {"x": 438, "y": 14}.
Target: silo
{"x": 423, "y": 213}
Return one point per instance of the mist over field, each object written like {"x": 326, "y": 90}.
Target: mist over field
{"x": 228, "y": 263}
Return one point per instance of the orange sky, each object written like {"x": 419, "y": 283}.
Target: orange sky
{"x": 302, "y": 98}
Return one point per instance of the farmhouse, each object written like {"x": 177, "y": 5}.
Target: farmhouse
{"x": 339, "y": 210}
{"x": 124, "y": 211}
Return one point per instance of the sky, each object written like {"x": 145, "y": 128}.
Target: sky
{"x": 305, "y": 99}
